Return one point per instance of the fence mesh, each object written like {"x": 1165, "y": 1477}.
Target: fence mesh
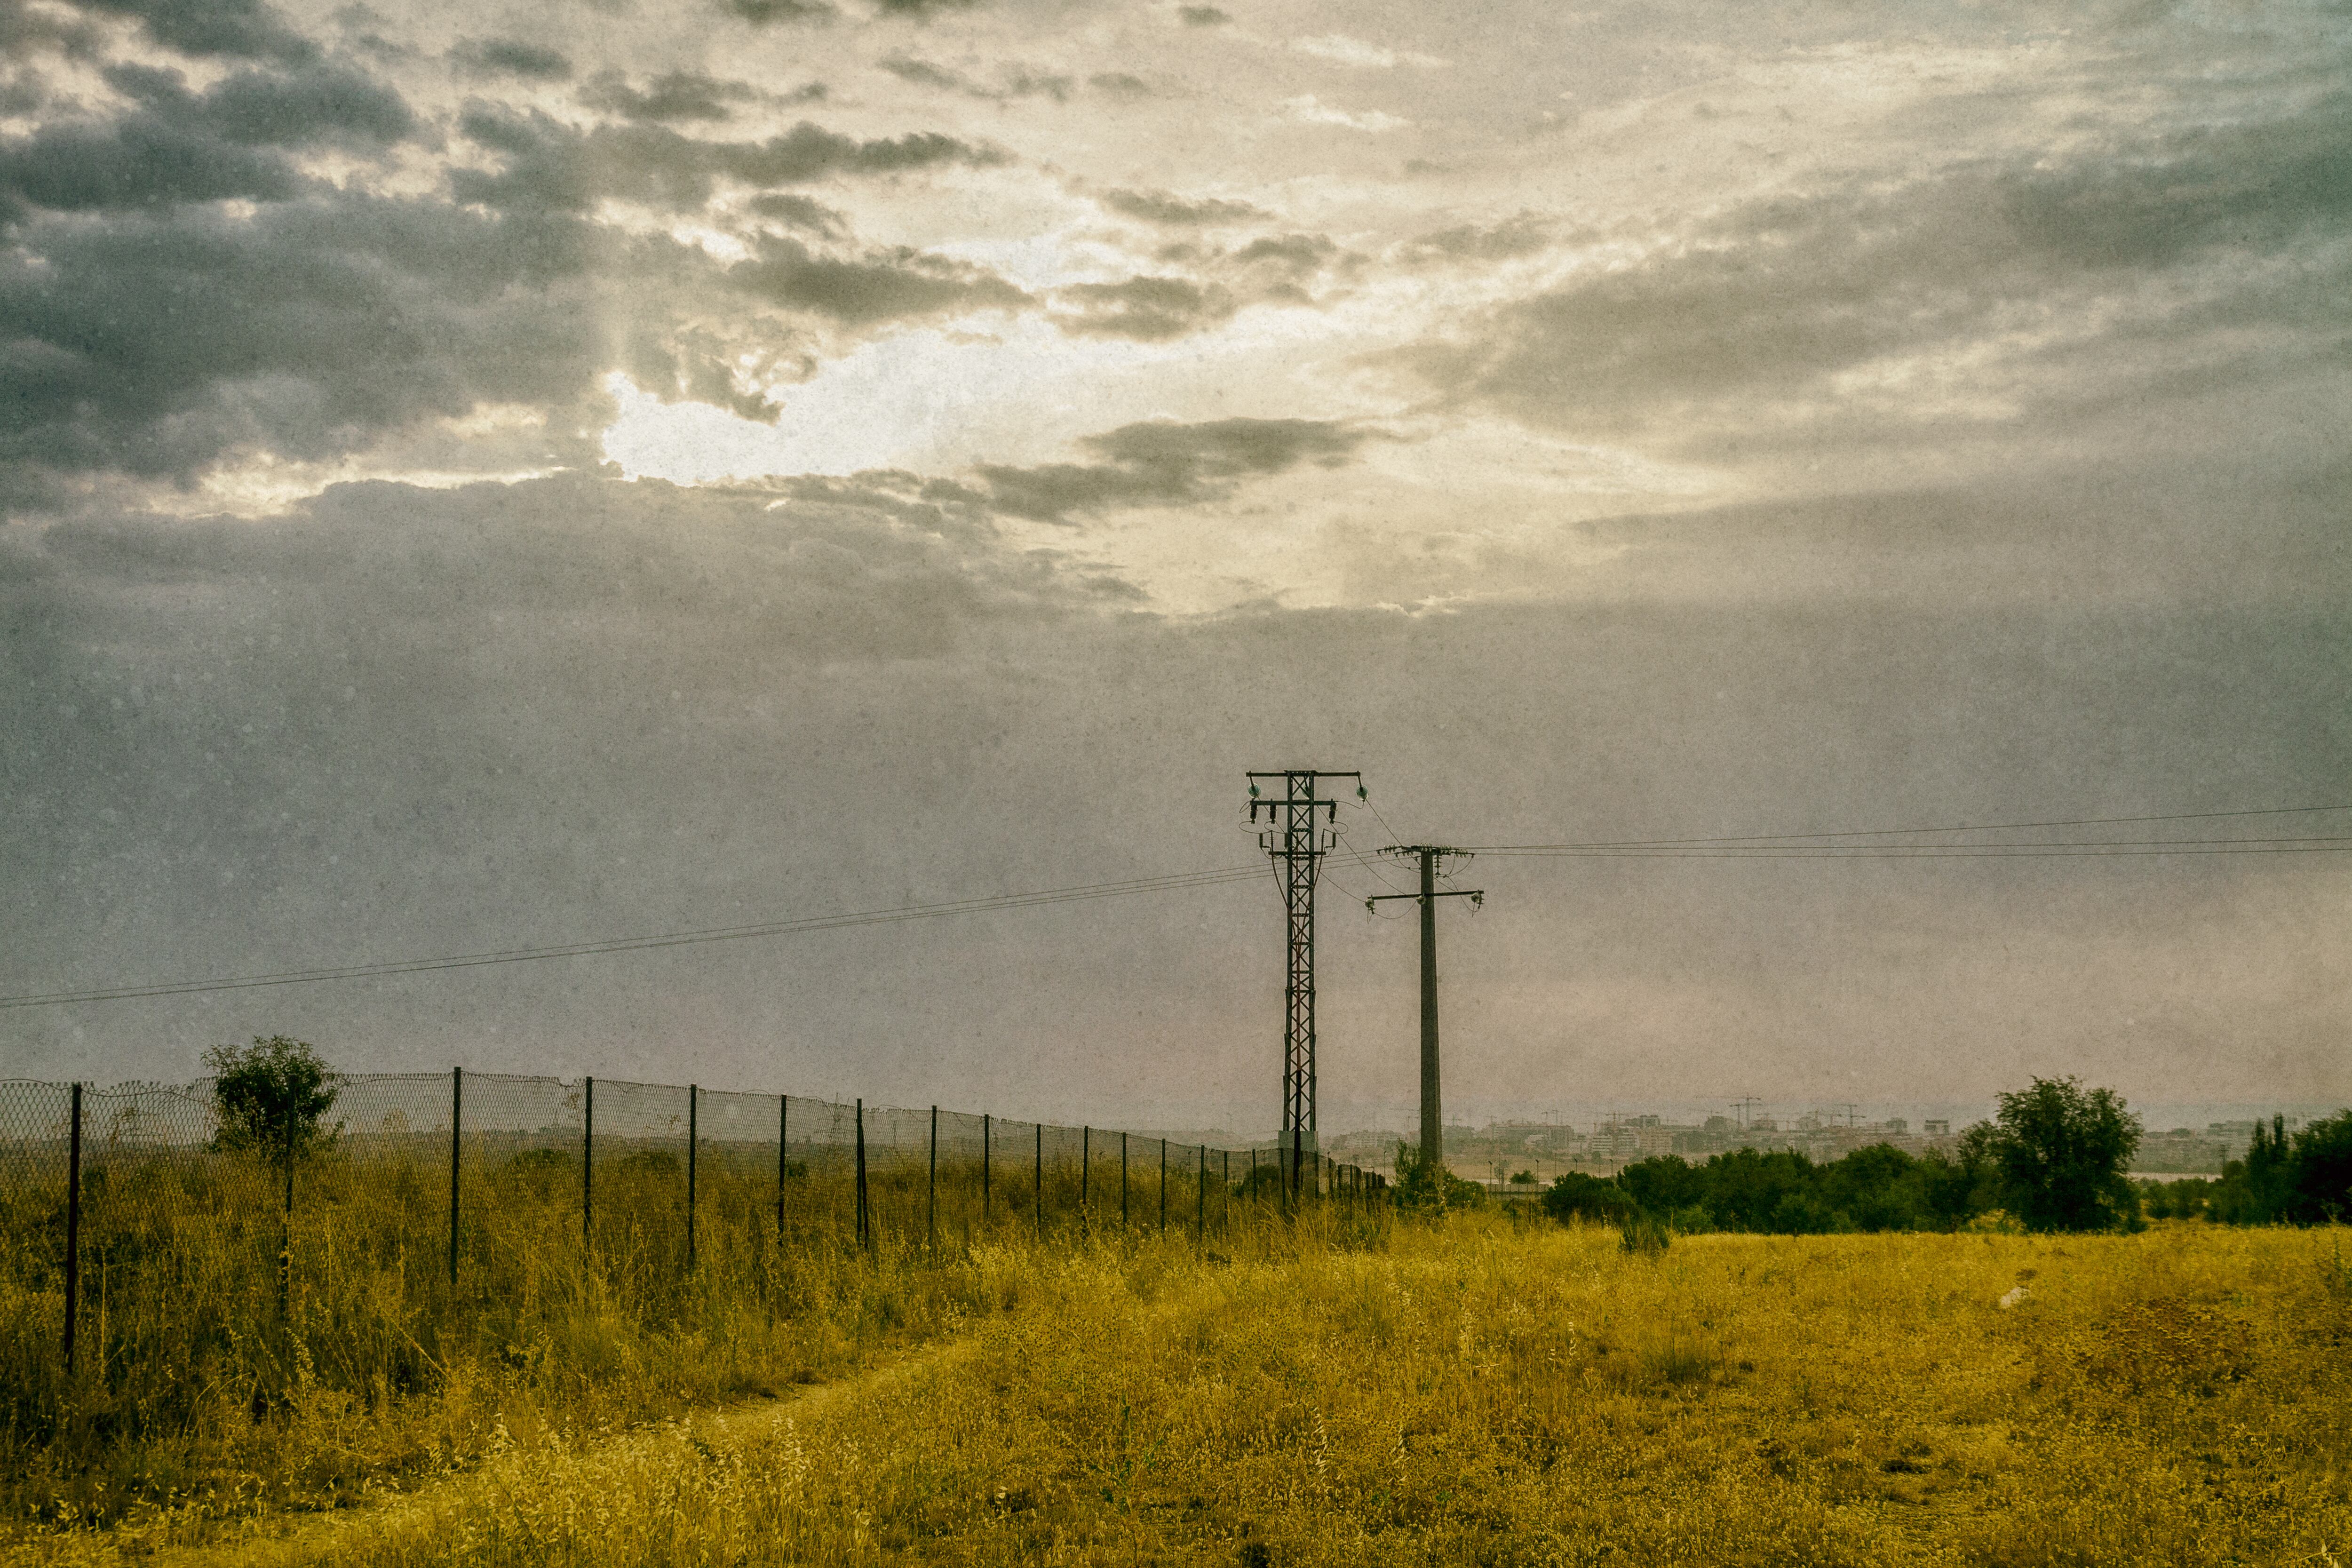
{"x": 166, "y": 1225}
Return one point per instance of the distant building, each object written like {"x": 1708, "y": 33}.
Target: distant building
{"x": 1616, "y": 1141}
{"x": 1936, "y": 1128}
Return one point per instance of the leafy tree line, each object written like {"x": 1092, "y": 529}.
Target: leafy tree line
{"x": 2053, "y": 1159}
{"x": 2304, "y": 1178}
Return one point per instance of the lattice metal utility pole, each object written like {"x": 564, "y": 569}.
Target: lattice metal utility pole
{"x": 1296, "y": 841}
{"x": 1433, "y": 1107}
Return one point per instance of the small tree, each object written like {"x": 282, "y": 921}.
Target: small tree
{"x": 2320, "y": 1164}
{"x": 1574, "y": 1196}
{"x": 272, "y": 1097}
{"x": 2062, "y": 1152}
{"x": 1428, "y": 1184}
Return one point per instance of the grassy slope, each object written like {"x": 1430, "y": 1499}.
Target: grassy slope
{"x": 1489, "y": 1394}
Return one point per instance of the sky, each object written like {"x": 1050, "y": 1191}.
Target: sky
{"x": 508, "y": 474}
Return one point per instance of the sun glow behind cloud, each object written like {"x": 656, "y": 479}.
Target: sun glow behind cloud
{"x": 939, "y": 399}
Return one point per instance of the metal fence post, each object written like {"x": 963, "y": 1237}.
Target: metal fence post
{"x": 588, "y": 1164}
{"x": 73, "y": 1226}
{"x": 1085, "y": 1176}
{"x": 1122, "y": 1181}
{"x": 931, "y": 1204}
{"x": 1226, "y": 1192}
{"x": 1041, "y": 1181}
{"x": 865, "y": 1221}
{"x": 1201, "y": 1199}
{"x": 783, "y": 1127}
{"x": 1164, "y": 1187}
{"x": 693, "y": 1098}
{"x": 286, "y": 1227}
{"x": 986, "y": 1128}
{"x": 456, "y": 1109}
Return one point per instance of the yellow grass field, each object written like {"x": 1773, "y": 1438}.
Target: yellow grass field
{"x": 1485, "y": 1392}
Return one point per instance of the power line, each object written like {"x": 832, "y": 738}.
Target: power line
{"x": 2087, "y": 851}
{"x": 1752, "y": 847}
{"x": 1899, "y": 832}
{"x": 1176, "y": 882}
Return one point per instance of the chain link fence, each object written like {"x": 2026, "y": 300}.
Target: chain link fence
{"x": 129, "y": 1222}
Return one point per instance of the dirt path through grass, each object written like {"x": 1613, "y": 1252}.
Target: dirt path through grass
{"x": 281, "y": 1541}
{"x": 1487, "y": 1392}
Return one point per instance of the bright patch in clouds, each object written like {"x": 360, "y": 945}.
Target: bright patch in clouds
{"x": 1309, "y": 110}
{"x": 1340, "y": 49}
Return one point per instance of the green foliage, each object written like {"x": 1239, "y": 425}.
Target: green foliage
{"x": 272, "y": 1097}
{"x": 1642, "y": 1234}
{"x": 2320, "y": 1166}
{"x": 2056, "y": 1143}
{"x": 1429, "y": 1187}
{"x": 2062, "y": 1152}
{"x": 1523, "y": 1178}
{"x": 2303, "y": 1179}
{"x": 1576, "y": 1196}
{"x": 2184, "y": 1198}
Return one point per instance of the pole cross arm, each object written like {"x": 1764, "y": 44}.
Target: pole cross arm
{"x": 1312, "y": 807}
{"x": 1475, "y": 895}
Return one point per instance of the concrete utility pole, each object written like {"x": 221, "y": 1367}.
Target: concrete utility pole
{"x": 1433, "y": 1107}
{"x": 1296, "y": 841}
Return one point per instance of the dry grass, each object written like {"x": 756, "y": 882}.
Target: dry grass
{"x": 203, "y": 1396}
{"x": 1491, "y": 1394}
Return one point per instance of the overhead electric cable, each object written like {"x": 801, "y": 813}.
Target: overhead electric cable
{"x": 1171, "y": 883}
{"x": 2091, "y": 850}
{"x": 1904, "y": 832}
{"x": 1752, "y": 847}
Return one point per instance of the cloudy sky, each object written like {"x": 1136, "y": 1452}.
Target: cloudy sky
{"x": 509, "y": 474}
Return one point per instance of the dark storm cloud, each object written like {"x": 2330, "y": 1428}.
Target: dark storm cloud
{"x": 1524, "y": 235}
{"x": 148, "y": 334}
{"x": 1164, "y": 208}
{"x": 1147, "y": 310}
{"x": 1124, "y": 86}
{"x": 1202, "y": 15}
{"x": 510, "y": 57}
{"x": 23, "y": 92}
{"x": 1167, "y": 464}
{"x": 1026, "y": 81}
{"x": 923, "y": 73}
{"x": 178, "y": 146}
{"x": 670, "y": 96}
{"x": 1278, "y": 266}
{"x": 923, "y": 9}
{"x": 899, "y": 283}
{"x": 801, "y": 212}
{"x": 1013, "y": 81}
{"x": 309, "y": 104}
{"x": 242, "y": 30}
{"x": 867, "y": 569}
{"x": 23, "y": 30}
{"x": 1773, "y": 299}
{"x": 139, "y": 161}
{"x": 152, "y": 343}
{"x": 552, "y": 167}
{"x": 761, "y": 13}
